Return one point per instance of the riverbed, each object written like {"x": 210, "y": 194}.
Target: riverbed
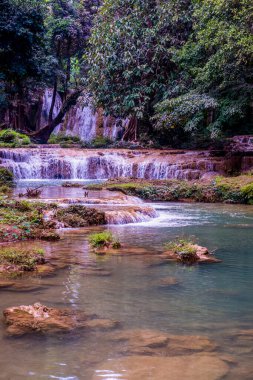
{"x": 212, "y": 300}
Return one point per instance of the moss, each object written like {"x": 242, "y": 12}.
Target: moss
{"x": 64, "y": 140}
{"x": 221, "y": 189}
{"x": 80, "y": 216}
{"x": 12, "y": 139}
{"x": 23, "y": 259}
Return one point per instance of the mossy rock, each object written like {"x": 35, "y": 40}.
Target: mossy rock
{"x": 80, "y": 216}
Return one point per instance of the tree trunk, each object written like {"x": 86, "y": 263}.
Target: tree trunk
{"x": 131, "y": 132}
{"x": 42, "y": 136}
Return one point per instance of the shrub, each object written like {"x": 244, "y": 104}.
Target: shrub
{"x": 6, "y": 176}
{"x": 11, "y": 138}
{"x": 247, "y": 192}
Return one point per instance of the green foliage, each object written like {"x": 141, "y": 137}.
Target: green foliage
{"x": 185, "y": 249}
{"x": 104, "y": 239}
{"x": 101, "y": 239}
{"x": 24, "y": 259}
{"x": 247, "y": 192}
{"x": 215, "y": 72}
{"x": 13, "y": 139}
{"x": 6, "y": 176}
{"x": 63, "y": 139}
{"x": 100, "y": 142}
{"x": 129, "y": 57}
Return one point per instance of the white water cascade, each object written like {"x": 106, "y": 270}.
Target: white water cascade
{"x": 82, "y": 120}
{"x": 58, "y": 163}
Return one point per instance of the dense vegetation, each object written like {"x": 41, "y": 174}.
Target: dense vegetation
{"x": 177, "y": 68}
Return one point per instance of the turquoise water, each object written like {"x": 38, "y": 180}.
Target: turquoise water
{"x": 214, "y": 300}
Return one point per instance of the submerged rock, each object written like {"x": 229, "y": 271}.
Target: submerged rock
{"x": 169, "y": 281}
{"x": 191, "y": 367}
{"x": 37, "y": 318}
{"x": 152, "y": 342}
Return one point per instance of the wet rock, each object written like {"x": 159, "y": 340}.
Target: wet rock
{"x": 45, "y": 270}
{"x": 152, "y": 342}
{"x": 102, "y": 324}
{"x": 169, "y": 281}
{"x": 96, "y": 272}
{"x": 37, "y": 318}
{"x": 6, "y": 284}
{"x": 129, "y": 251}
{"x": 192, "y": 367}
{"x": 182, "y": 344}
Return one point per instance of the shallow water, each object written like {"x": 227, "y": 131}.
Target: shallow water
{"x": 212, "y": 300}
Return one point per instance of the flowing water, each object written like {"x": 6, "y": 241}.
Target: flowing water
{"x": 79, "y": 164}
{"x": 211, "y": 300}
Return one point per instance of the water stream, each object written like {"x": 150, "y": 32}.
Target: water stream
{"x": 210, "y": 300}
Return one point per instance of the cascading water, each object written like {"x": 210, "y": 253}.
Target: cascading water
{"x": 57, "y": 163}
{"x": 82, "y": 120}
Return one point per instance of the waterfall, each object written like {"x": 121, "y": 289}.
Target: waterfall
{"x": 82, "y": 120}
{"x": 78, "y": 164}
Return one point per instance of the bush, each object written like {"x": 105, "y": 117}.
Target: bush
{"x": 247, "y": 192}
{"x": 11, "y": 138}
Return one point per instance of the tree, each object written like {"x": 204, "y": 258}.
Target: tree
{"x": 22, "y": 54}
{"x": 129, "y": 56}
{"x": 216, "y": 71}
{"x": 68, "y": 24}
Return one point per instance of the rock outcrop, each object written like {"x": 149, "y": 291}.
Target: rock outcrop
{"x": 37, "y": 318}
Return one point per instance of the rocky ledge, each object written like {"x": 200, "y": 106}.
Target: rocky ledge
{"x": 37, "y": 318}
